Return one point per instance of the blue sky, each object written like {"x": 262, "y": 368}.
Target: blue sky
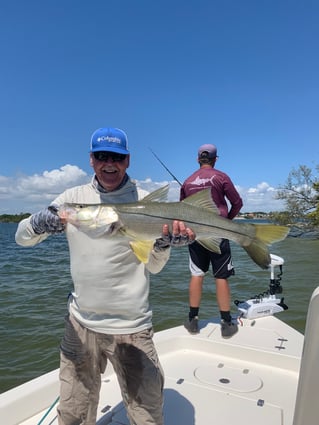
{"x": 174, "y": 74}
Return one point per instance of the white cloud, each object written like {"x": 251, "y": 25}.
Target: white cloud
{"x": 260, "y": 198}
{"x": 31, "y": 193}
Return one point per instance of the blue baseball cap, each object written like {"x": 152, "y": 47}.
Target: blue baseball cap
{"x": 109, "y": 139}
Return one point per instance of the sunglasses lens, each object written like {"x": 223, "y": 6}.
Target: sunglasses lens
{"x": 104, "y": 156}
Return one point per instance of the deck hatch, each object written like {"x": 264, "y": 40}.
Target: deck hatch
{"x": 233, "y": 379}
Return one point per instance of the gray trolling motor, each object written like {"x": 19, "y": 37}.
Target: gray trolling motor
{"x": 265, "y": 304}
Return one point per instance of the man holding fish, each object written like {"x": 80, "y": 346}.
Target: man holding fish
{"x": 109, "y": 317}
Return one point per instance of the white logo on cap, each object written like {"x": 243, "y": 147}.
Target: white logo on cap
{"x": 109, "y": 139}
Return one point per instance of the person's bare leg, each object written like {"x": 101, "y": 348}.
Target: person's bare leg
{"x": 222, "y": 294}
{"x": 195, "y": 290}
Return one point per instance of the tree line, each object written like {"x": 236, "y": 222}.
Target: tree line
{"x": 301, "y": 196}
{"x": 13, "y": 218}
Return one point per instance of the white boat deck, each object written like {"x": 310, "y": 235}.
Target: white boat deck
{"x": 251, "y": 377}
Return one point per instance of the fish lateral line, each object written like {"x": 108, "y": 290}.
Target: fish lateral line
{"x": 189, "y": 223}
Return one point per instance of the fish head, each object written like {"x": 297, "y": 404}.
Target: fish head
{"x": 95, "y": 220}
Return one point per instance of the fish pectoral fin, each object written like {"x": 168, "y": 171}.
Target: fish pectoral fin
{"x": 142, "y": 249}
{"x": 211, "y": 244}
{"x": 202, "y": 199}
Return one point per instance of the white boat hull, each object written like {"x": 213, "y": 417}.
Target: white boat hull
{"x": 251, "y": 377}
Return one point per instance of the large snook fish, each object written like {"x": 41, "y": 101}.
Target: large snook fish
{"x": 141, "y": 222}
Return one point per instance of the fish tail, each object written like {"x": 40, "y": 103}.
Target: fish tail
{"x": 270, "y": 233}
{"x": 259, "y": 253}
{"x": 265, "y": 235}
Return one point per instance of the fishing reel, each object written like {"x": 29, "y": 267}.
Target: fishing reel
{"x": 265, "y": 304}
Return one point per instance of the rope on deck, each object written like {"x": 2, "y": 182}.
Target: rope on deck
{"x": 48, "y": 411}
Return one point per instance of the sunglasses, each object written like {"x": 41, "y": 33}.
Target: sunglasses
{"x": 113, "y": 156}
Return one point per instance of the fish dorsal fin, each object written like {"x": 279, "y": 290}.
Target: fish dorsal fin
{"x": 202, "y": 199}
{"x": 159, "y": 195}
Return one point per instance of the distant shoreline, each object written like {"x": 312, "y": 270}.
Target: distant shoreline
{"x": 13, "y": 218}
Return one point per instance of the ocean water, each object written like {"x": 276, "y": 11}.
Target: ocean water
{"x": 35, "y": 283}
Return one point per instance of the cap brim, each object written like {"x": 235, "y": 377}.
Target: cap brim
{"x": 111, "y": 149}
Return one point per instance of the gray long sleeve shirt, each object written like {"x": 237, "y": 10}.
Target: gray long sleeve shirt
{"x": 111, "y": 286}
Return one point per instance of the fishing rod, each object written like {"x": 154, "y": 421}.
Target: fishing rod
{"x": 175, "y": 178}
